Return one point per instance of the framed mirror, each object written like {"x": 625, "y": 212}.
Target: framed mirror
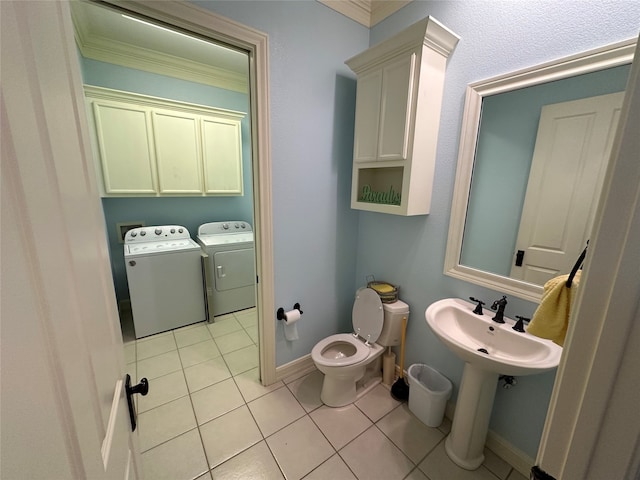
{"x": 510, "y": 126}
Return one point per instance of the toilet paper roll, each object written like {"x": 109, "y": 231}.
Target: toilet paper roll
{"x": 290, "y": 327}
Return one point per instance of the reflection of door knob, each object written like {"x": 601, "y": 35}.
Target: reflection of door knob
{"x": 142, "y": 388}
{"x": 519, "y": 257}
{"x": 132, "y": 263}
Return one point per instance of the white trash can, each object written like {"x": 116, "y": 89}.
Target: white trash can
{"x": 429, "y": 391}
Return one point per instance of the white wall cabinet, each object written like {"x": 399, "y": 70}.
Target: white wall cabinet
{"x": 150, "y": 146}
{"x": 130, "y": 168}
{"x": 399, "y": 94}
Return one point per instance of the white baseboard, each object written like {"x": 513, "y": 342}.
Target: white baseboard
{"x": 295, "y": 369}
{"x": 509, "y": 453}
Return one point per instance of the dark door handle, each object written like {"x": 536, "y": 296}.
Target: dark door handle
{"x": 142, "y": 388}
{"x": 519, "y": 258}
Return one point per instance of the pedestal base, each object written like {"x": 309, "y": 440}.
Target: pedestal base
{"x": 465, "y": 443}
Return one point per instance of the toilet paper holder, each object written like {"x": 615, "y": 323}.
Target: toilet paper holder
{"x": 280, "y": 315}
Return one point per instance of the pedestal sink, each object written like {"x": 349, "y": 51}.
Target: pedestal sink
{"x": 489, "y": 349}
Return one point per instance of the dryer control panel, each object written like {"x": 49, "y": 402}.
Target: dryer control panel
{"x": 216, "y": 228}
{"x": 156, "y": 234}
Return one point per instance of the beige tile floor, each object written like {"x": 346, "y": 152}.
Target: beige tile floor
{"x": 207, "y": 417}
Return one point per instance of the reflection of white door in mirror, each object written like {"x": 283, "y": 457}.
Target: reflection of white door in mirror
{"x": 573, "y": 143}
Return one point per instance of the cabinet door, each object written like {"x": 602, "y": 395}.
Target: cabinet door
{"x": 222, "y": 156}
{"x": 397, "y": 91}
{"x": 367, "y": 115}
{"x": 125, "y": 143}
{"x": 177, "y": 152}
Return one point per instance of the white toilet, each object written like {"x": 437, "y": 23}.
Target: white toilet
{"x": 351, "y": 361}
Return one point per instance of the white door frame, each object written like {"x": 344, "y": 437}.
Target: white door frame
{"x": 592, "y": 429}
{"x": 203, "y": 22}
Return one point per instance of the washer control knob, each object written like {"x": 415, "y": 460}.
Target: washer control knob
{"x": 134, "y": 234}
{"x": 158, "y": 231}
{"x": 225, "y": 226}
{"x": 180, "y": 230}
{"x": 237, "y": 226}
{"x": 173, "y": 230}
{"x": 143, "y": 233}
{"x": 243, "y": 225}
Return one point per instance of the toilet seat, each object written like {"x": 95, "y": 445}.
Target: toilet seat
{"x": 367, "y": 315}
{"x": 345, "y": 349}
{"x": 330, "y": 359}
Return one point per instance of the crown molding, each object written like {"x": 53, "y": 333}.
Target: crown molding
{"x": 366, "y": 12}
{"x": 382, "y": 9}
{"x": 427, "y": 32}
{"x": 108, "y": 50}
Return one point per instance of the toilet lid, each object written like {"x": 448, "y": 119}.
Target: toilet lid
{"x": 368, "y": 315}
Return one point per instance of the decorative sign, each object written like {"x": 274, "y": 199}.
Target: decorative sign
{"x": 390, "y": 197}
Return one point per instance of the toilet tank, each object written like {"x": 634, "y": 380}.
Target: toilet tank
{"x": 392, "y": 329}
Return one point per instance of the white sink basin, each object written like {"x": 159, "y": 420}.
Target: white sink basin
{"x": 489, "y": 349}
{"x": 488, "y": 345}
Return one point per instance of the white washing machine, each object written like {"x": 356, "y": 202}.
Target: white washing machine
{"x": 230, "y": 269}
{"x": 164, "y": 273}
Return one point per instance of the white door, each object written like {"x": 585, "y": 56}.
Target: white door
{"x": 573, "y": 143}
{"x": 365, "y": 147}
{"x": 177, "y": 152}
{"x": 222, "y": 156}
{"x": 395, "y": 108}
{"x": 63, "y": 407}
{"x": 124, "y": 140}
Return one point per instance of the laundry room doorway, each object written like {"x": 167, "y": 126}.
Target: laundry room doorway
{"x": 183, "y": 54}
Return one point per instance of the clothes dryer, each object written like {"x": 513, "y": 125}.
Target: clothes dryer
{"x": 164, "y": 273}
{"x": 230, "y": 272}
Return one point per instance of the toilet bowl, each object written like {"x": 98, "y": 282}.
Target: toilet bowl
{"x": 350, "y": 361}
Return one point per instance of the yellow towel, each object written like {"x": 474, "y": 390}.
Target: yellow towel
{"x": 551, "y": 319}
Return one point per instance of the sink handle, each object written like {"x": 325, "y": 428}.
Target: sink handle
{"x": 519, "y": 326}
{"x": 478, "y": 309}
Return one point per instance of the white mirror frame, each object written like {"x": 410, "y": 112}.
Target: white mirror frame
{"x": 613, "y": 55}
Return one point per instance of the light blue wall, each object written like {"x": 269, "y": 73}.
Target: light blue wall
{"x": 503, "y": 160}
{"x": 187, "y": 211}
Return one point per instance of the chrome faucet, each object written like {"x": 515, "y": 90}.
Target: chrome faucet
{"x": 499, "y": 305}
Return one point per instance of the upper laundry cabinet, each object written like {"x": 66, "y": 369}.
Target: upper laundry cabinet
{"x": 150, "y": 146}
{"x": 398, "y": 100}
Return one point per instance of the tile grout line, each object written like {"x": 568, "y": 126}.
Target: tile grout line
{"x": 195, "y": 417}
